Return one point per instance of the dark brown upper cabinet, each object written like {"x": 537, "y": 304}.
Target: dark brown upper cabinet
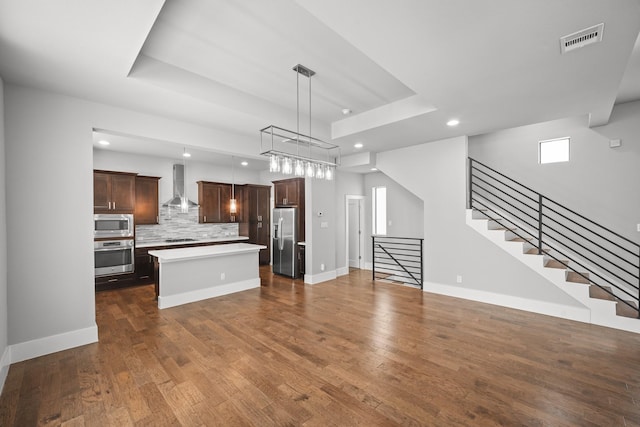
{"x": 113, "y": 192}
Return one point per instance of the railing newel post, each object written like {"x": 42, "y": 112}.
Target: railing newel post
{"x": 373, "y": 257}
{"x": 540, "y": 224}
{"x": 469, "y": 183}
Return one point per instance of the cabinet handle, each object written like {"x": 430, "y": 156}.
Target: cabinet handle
{"x": 114, "y": 205}
{"x": 112, "y": 280}
{"x": 205, "y": 218}
{"x": 109, "y": 208}
{"x": 259, "y": 225}
{"x": 157, "y": 218}
{"x": 259, "y": 217}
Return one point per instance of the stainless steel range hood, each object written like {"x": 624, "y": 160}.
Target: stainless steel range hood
{"x": 178, "y": 188}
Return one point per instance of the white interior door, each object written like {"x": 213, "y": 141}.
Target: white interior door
{"x": 355, "y": 238}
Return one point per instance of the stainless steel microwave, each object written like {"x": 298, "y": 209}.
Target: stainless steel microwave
{"x": 112, "y": 225}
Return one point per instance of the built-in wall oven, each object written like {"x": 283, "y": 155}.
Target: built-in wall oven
{"x": 112, "y": 225}
{"x": 113, "y": 257}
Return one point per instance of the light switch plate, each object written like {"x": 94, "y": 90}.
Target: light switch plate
{"x": 324, "y": 224}
{"x": 615, "y": 143}
{"x": 638, "y": 227}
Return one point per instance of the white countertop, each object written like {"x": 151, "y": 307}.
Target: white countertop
{"x": 182, "y": 254}
{"x": 154, "y": 243}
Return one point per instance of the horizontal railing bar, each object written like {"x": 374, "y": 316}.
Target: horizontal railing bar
{"x": 591, "y": 271}
{"x": 502, "y": 192}
{"x": 591, "y": 221}
{"x": 516, "y": 216}
{"x": 506, "y": 185}
{"x": 501, "y": 174}
{"x": 591, "y": 231}
{"x": 394, "y": 264}
{"x": 410, "y": 263}
{"x": 619, "y": 299}
{"x": 401, "y": 248}
{"x": 526, "y": 233}
{"x": 592, "y": 261}
{"x": 596, "y": 254}
{"x": 486, "y": 191}
{"x": 404, "y": 238}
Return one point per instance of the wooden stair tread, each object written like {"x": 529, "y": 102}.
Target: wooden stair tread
{"x": 599, "y": 293}
{"x": 552, "y": 263}
{"x": 520, "y": 239}
{"x": 574, "y": 277}
{"x": 534, "y": 251}
{"x": 624, "y": 310}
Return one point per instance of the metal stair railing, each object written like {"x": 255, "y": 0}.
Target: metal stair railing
{"x": 609, "y": 258}
{"x": 398, "y": 259}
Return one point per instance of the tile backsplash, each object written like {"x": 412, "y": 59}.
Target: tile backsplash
{"x": 174, "y": 224}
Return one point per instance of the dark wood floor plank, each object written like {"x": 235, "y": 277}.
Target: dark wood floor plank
{"x": 344, "y": 352}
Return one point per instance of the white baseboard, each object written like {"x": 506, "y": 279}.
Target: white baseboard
{"x": 580, "y": 314}
{"x": 342, "y": 271}
{"x": 54, "y": 343}
{"x": 5, "y": 362}
{"x": 319, "y": 278}
{"x": 212, "y": 292}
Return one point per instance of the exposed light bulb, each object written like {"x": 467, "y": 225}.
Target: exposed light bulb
{"x": 328, "y": 175}
{"x": 233, "y": 206}
{"x": 287, "y": 166}
{"x": 310, "y": 170}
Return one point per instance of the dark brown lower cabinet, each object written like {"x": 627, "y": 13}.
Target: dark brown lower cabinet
{"x": 116, "y": 281}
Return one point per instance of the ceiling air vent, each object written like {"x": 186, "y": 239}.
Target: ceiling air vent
{"x": 581, "y": 38}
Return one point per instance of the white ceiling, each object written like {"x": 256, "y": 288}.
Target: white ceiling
{"x": 404, "y": 67}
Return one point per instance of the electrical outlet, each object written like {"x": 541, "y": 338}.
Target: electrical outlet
{"x": 458, "y": 279}
{"x": 638, "y": 227}
{"x": 321, "y": 267}
{"x": 222, "y": 276}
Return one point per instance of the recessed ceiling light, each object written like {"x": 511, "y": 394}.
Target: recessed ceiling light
{"x": 374, "y": 169}
{"x": 185, "y": 154}
{"x": 453, "y": 122}
{"x": 358, "y": 145}
{"x": 346, "y": 111}
{"x": 104, "y": 142}
{"x": 244, "y": 163}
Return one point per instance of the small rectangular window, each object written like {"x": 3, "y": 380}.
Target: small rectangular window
{"x": 553, "y": 150}
{"x": 379, "y": 210}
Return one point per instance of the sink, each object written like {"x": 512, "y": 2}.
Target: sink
{"x": 180, "y": 240}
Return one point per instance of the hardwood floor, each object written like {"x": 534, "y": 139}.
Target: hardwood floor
{"x": 345, "y": 352}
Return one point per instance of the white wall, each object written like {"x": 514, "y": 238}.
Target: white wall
{"x": 598, "y": 181}
{"x": 405, "y": 210}
{"x": 4, "y": 353}
{"x": 351, "y": 184}
{"x": 436, "y": 171}
{"x": 321, "y": 242}
{"x": 163, "y": 167}
{"x": 48, "y": 141}
{"x": 49, "y": 226}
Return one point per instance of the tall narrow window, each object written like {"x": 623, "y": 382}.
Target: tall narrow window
{"x": 379, "y": 210}
{"x": 554, "y": 150}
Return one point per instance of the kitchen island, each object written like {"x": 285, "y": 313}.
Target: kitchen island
{"x": 187, "y": 275}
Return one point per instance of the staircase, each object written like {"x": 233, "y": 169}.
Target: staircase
{"x": 592, "y": 264}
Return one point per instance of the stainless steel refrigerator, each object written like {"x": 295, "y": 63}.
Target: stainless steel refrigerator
{"x": 285, "y": 235}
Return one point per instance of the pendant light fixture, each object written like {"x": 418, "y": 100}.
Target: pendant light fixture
{"x": 232, "y": 203}
{"x": 318, "y": 158}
